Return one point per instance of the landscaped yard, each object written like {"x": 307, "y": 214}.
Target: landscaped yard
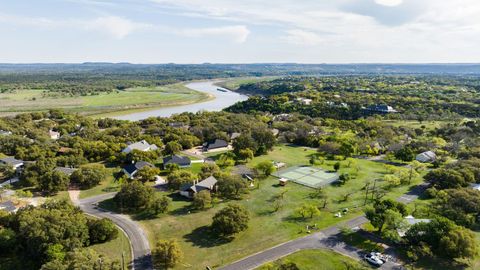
{"x": 267, "y": 227}
{"x": 107, "y": 185}
{"x": 316, "y": 259}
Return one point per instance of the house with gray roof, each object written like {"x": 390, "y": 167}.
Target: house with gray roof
{"x": 16, "y": 164}
{"x": 143, "y": 146}
{"x": 182, "y": 162}
{"x": 409, "y": 222}
{"x": 131, "y": 169}
{"x": 217, "y": 144}
{"x": 8, "y": 206}
{"x": 189, "y": 190}
{"x": 65, "y": 170}
{"x": 428, "y": 156}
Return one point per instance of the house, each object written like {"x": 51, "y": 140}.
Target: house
{"x": 131, "y": 169}
{"x": 189, "y": 190}
{"x": 67, "y": 171}
{"x": 409, "y": 222}
{"x": 427, "y": 156}
{"x": 282, "y": 117}
{"x": 217, "y": 144}
{"x": 182, "y": 162}
{"x": 8, "y": 206}
{"x": 54, "y": 135}
{"x": 378, "y": 108}
{"x": 143, "y": 146}
{"x": 235, "y": 135}
{"x": 304, "y": 101}
{"x": 5, "y": 132}
{"x": 16, "y": 164}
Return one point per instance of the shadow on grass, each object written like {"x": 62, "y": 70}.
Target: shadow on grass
{"x": 110, "y": 189}
{"x": 109, "y": 205}
{"x": 204, "y": 237}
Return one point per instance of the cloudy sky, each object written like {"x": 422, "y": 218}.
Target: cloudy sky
{"x": 240, "y": 31}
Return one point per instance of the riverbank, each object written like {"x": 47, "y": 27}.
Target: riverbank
{"x": 104, "y": 104}
{"x": 222, "y": 99}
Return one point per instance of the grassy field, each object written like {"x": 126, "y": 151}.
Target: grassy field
{"x": 234, "y": 84}
{"x": 103, "y": 103}
{"x": 316, "y": 259}
{"x": 191, "y": 229}
{"x": 114, "y": 249}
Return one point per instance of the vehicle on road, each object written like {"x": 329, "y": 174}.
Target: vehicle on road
{"x": 373, "y": 259}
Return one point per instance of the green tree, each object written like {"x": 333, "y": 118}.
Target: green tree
{"x": 147, "y": 174}
{"x": 377, "y": 215}
{"x": 167, "y": 253}
{"x": 245, "y": 154}
{"x": 177, "y": 179}
{"x": 202, "y": 200}
{"x": 53, "y": 182}
{"x": 88, "y": 177}
{"x": 231, "y": 220}
{"x": 172, "y": 148}
{"x": 265, "y": 167}
{"x": 101, "y": 230}
{"x": 134, "y": 196}
{"x": 160, "y": 204}
{"x": 405, "y": 154}
{"x": 231, "y": 186}
{"x": 459, "y": 243}
{"x": 308, "y": 210}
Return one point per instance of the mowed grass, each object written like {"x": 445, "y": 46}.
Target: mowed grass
{"x": 115, "y": 248}
{"x": 316, "y": 259}
{"x": 267, "y": 227}
{"x": 130, "y": 99}
{"x": 107, "y": 185}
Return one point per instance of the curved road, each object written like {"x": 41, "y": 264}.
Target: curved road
{"x": 141, "y": 253}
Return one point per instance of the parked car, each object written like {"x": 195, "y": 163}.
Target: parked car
{"x": 373, "y": 259}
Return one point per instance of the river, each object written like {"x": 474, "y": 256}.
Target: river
{"x": 221, "y": 101}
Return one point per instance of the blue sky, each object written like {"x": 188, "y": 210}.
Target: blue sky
{"x": 240, "y": 31}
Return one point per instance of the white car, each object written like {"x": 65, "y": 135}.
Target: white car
{"x": 374, "y": 260}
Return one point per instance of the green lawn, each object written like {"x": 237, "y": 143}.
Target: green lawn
{"x": 113, "y": 249}
{"x": 104, "y": 103}
{"x": 316, "y": 259}
{"x": 106, "y": 186}
{"x": 266, "y": 228}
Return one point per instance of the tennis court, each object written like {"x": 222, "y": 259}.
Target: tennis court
{"x": 307, "y": 176}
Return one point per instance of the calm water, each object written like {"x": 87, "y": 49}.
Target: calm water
{"x": 222, "y": 100}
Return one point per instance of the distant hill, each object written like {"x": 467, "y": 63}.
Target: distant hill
{"x": 233, "y": 70}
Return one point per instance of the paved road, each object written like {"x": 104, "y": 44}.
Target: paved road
{"x": 140, "y": 246}
{"x": 329, "y": 238}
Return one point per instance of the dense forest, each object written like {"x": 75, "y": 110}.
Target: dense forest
{"x": 351, "y": 97}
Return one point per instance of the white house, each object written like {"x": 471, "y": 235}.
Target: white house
{"x": 143, "y": 146}
{"x": 427, "y": 156}
{"x": 54, "y": 135}
{"x": 410, "y": 221}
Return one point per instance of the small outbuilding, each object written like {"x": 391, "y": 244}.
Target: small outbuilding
{"x": 282, "y": 181}
{"x": 428, "y": 156}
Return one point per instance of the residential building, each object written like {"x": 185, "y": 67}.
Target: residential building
{"x": 428, "y": 156}
{"x": 143, "y": 146}
{"x": 131, "y": 169}
{"x": 181, "y": 161}
{"x": 189, "y": 190}
{"x": 217, "y": 144}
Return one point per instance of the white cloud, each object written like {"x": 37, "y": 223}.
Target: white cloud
{"x": 302, "y": 37}
{"x": 237, "y": 33}
{"x": 389, "y": 3}
{"x": 117, "y": 27}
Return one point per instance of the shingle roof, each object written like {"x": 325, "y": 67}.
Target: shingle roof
{"x": 8, "y": 206}
{"x": 11, "y": 161}
{"x": 426, "y": 156}
{"x": 217, "y": 144}
{"x": 208, "y": 184}
{"x": 131, "y": 168}
{"x": 141, "y": 146}
{"x": 176, "y": 159}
